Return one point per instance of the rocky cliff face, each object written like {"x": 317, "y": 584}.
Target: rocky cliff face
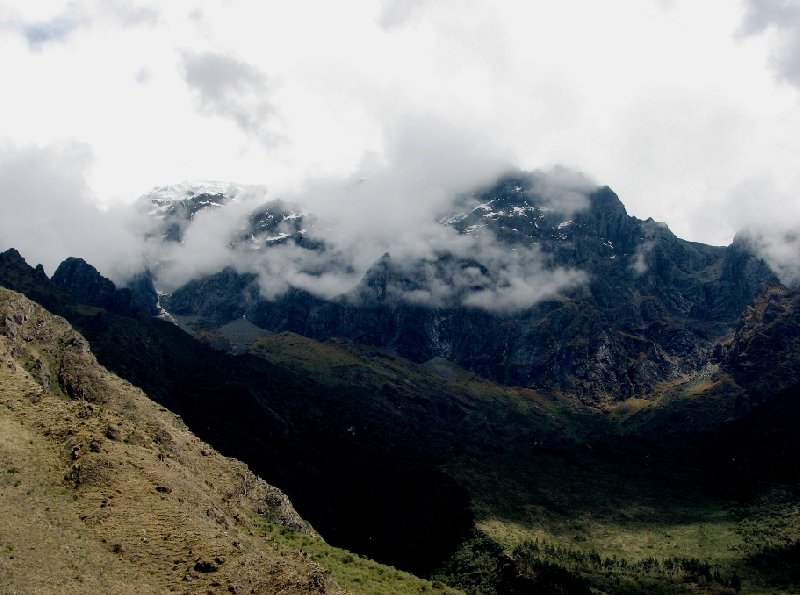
{"x": 651, "y": 308}
{"x": 763, "y": 353}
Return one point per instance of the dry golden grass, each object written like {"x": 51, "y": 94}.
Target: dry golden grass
{"x": 105, "y": 491}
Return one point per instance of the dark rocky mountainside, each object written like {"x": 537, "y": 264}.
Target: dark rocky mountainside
{"x": 651, "y": 309}
{"x": 139, "y": 298}
{"x": 764, "y": 350}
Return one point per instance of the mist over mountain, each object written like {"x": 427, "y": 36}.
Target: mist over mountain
{"x": 539, "y": 279}
{"x": 395, "y": 206}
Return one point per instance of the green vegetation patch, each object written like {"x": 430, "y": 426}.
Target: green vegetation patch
{"x": 353, "y": 572}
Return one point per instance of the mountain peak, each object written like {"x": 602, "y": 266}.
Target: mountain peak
{"x": 190, "y": 189}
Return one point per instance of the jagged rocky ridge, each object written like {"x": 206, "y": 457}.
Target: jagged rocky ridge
{"x": 651, "y": 308}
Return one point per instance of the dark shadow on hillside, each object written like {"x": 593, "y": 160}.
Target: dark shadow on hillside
{"x": 375, "y": 490}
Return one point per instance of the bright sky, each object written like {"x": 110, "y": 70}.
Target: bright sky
{"x": 689, "y": 110}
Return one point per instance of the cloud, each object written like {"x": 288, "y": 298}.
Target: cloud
{"x": 75, "y": 16}
{"x": 563, "y": 189}
{"x": 234, "y": 90}
{"x": 770, "y": 232}
{"x": 143, "y": 76}
{"x": 782, "y": 18}
{"x": 57, "y": 29}
{"x": 127, "y": 13}
{"x": 481, "y": 272}
{"x": 780, "y": 249}
{"x": 639, "y": 259}
{"x": 391, "y": 205}
{"x": 396, "y": 13}
{"x": 46, "y": 191}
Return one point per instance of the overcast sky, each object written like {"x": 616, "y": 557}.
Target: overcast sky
{"x": 689, "y": 110}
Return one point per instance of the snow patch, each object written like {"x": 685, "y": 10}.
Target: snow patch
{"x": 484, "y": 207}
{"x": 161, "y": 198}
{"x": 454, "y": 219}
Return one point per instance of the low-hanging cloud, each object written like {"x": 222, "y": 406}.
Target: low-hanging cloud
{"x": 481, "y": 272}
{"x": 234, "y": 90}
{"x": 771, "y": 233}
{"x": 390, "y": 206}
{"x": 780, "y": 249}
{"x": 562, "y": 189}
{"x": 639, "y": 263}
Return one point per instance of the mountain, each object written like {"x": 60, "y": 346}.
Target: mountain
{"x": 173, "y": 208}
{"x": 637, "y": 306}
{"x": 482, "y": 486}
{"x": 555, "y": 397}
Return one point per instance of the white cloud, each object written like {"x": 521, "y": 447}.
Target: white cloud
{"x": 672, "y": 126}
{"x": 396, "y": 13}
{"x": 51, "y": 214}
{"x": 390, "y": 206}
{"x": 780, "y": 248}
{"x": 232, "y": 89}
{"x": 639, "y": 263}
{"x": 781, "y": 18}
{"x": 772, "y": 233}
{"x": 54, "y": 29}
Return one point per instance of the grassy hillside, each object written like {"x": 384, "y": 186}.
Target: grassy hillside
{"x": 105, "y": 491}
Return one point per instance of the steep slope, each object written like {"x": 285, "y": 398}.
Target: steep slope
{"x": 764, "y": 351}
{"x": 106, "y": 491}
{"x": 103, "y": 490}
{"x": 292, "y": 429}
